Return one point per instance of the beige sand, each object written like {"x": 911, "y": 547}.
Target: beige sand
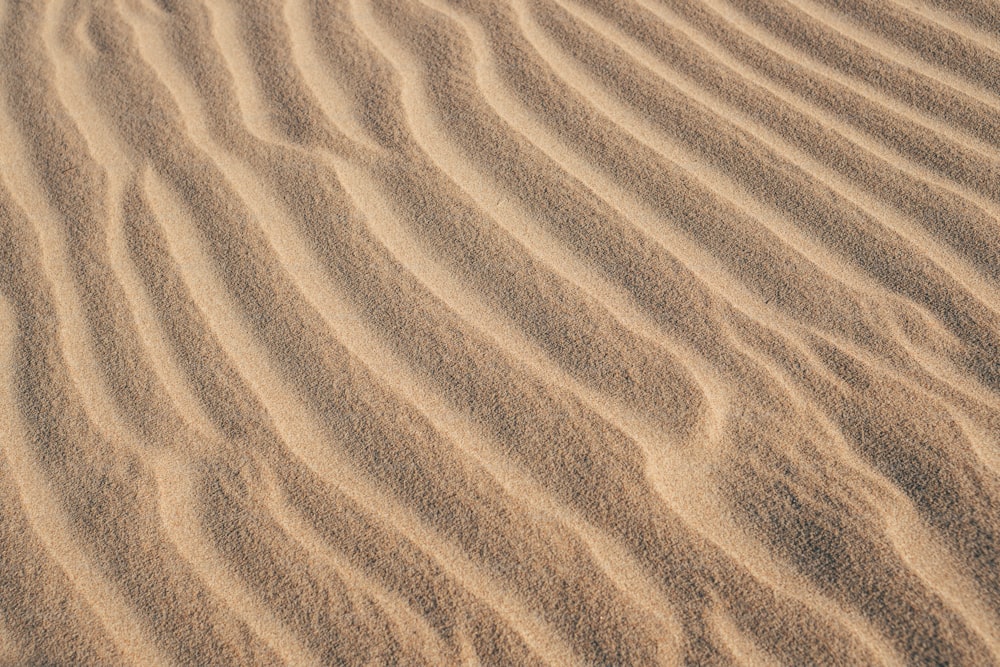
{"x": 608, "y": 332}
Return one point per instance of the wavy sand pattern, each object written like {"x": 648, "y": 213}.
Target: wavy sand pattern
{"x": 608, "y": 332}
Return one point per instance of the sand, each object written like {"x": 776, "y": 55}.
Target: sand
{"x": 604, "y": 332}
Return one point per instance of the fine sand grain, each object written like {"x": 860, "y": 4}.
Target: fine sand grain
{"x": 604, "y": 332}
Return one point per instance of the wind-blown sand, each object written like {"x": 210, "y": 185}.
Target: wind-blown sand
{"x": 608, "y": 332}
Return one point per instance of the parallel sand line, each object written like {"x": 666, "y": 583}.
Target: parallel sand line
{"x": 108, "y": 287}
{"x": 858, "y": 61}
{"x": 648, "y": 135}
{"x": 961, "y": 26}
{"x": 935, "y": 43}
{"x": 706, "y": 174}
{"x": 897, "y": 138}
{"x": 297, "y": 427}
{"x": 860, "y": 231}
{"x": 538, "y": 239}
{"x": 876, "y": 38}
{"x": 182, "y": 544}
{"x": 682, "y": 483}
{"x": 779, "y": 143}
{"x": 181, "y": 508}
{"x": 744, "y": 46}
{"x": 522, "y": 124}
{"x": 47, "y": 520}
{"x": 741, "y": 46}
{"x": 544, "y": 331}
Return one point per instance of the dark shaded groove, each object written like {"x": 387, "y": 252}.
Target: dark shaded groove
{"x": 860, "y": 62}
{"x": 926, "y": 632}
{"x": 911, "y": 139}
{"x": 108, "y": 496}
{"x": 983, "y": 15}
{"x": 933, "y": 42}
{"x": 510, "y": 428}
{"x": 589, "y": 344}
{"x": 857, "y": 238}
{"x": 108, "y": 493}
{"x": 349, "y": 401}
{"x": 236, "y": 412}
{"x": 969, "y": 230}
{"x": 850, "y": 393}
{"x": 50, "y": 623}
{"x": 597, "y": 233}
{"x": 925, "y": 454}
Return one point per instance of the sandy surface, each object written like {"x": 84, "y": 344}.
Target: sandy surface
{"x": 606, "y": 332}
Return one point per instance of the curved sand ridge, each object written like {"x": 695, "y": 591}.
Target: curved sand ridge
{"x": 537, "y": 331}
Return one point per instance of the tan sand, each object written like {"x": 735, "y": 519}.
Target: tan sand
{"x": 605, "y": 332}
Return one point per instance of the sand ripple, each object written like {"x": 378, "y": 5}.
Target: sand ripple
{"x": 607, "y": 332}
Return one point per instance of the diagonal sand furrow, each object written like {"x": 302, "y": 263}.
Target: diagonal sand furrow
{"x": 506, "y": 332}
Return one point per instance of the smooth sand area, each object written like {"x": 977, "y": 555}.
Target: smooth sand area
{"x": 510, "y": 332}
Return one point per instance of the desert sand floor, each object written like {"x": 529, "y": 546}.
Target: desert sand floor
{"x": 605, "y": 332}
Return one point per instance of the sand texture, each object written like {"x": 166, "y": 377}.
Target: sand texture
{"x": 502, "y": 332}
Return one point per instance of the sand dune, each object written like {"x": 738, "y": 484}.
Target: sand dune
{"x": 608, "y": 332}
